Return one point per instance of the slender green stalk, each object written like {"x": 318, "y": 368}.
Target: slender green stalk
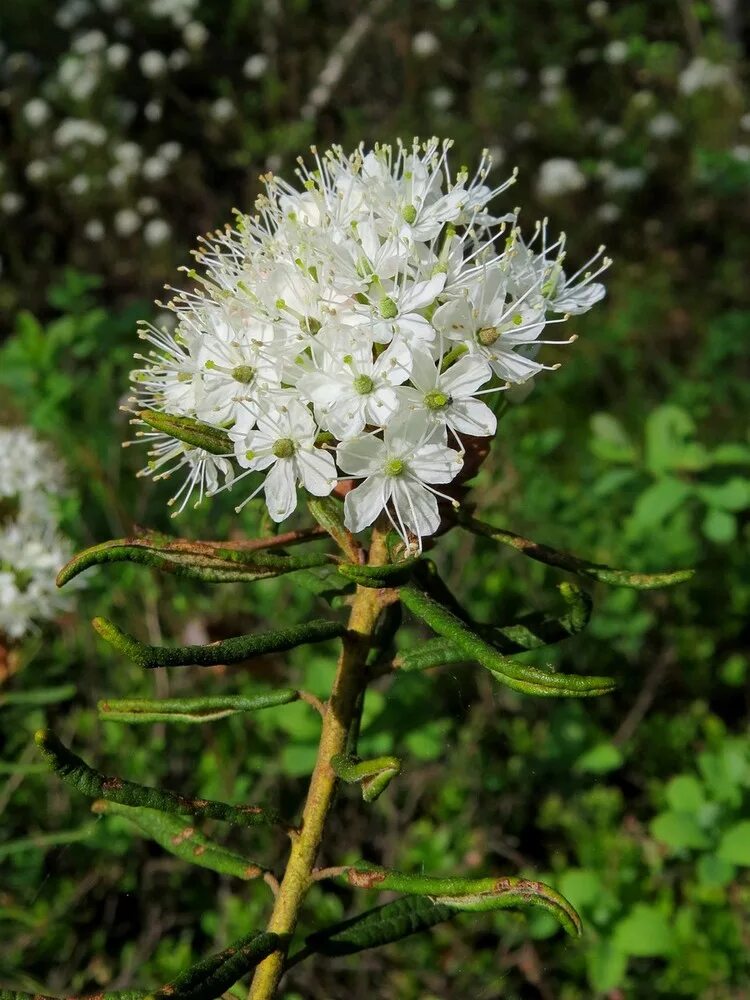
{"x": 339, "y": 717}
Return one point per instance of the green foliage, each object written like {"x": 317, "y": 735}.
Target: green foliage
{"x": 632, "y": 453}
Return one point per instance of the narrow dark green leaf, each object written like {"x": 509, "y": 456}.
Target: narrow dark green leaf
{"x": 571, "y": 563}
{"x": 469, "y": 894}
{"x": 329, "y": 513}
{"x": 192, "y": 432}
{"x": 74, "y": 771}
{"x": 113, "y": 995}
{"x": 433, "y": 653}
{"x": 190, "y": 710}
{"x": 183, "y": 840}
{"x": 214, "y": 976}
{"x": 527, "y": 680}
{"x": 236, "y": 650}
{"x": 389, "y": 575}
{"x": 373, "y": 775}
{"x": 379, "y": 926}
{"x": 531, "y": 632}
{"x": 192, "y": 560}
{"x": 39, "y": 696}
{"x": 43, "y": 841}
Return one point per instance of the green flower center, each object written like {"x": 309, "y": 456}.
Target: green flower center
{"x": 388, "y": 308}
{"x": 283, "y": 448}
{"x": 409, "y": 213}
{"x": 244, "y": 374}
{"x": 436, "y": 400}
{"x": 395, "y": 467}
{"x": 363, "y": 384}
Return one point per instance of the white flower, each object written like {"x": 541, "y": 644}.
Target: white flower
{"x": 448, "y": 397}
{"x": 559, "y": 176}
{"x": 398, "y": 472}
{"x": 702, "y": 74}
{"x": 195, "y": 34}
{"x": 156, "y": 231}
{"x": 616, "y": 52}
{"x": 255, "y": 66}
{"x": 663, "y": 126}
{"x": 36, "y": 112}
{"x": 31, "y": 548}
{"x": 126, "y": 222}
{"x": 117, "y": 55}
{"x": 284, "y": 444}
{"x": 368, "y": 312}
{"x": 351, "y": 388}
{"x": 424, "y": 44}
{"x": 153, "y": 64}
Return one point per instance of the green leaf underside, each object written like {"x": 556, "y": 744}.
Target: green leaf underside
{"x": 182, "y": 840}
{"x": 74, "y": 771}
{"x": 190, "y": 710}
{"x": 379, "y": 576}
{"x": 479, "y": 895}
{"x": 113, "y": 995}
{"x": 329, "y": 513}
{"x": 379, "y": 926}
{"x": 204, "y": 981}
{"x": 213, "y": 976}
{"x": 189, "y": 430}
{"x": 572, "y": 564}
{"x": 527, "y": 680}
{"x": 373, "y": 775}
{"x": 193, "y": 560}
{"x": 531, "y": 632}
{"x": 235, "y": 650}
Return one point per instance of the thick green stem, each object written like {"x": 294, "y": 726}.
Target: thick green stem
{"x": 339, "y": 718}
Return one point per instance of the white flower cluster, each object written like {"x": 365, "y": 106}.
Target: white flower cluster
{"x": 31, "y": 548}
{"x": 353, "y": 329}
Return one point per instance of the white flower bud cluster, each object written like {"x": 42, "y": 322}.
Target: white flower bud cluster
{"x": 31, "y": 548}
{"x": 353, "y": 328}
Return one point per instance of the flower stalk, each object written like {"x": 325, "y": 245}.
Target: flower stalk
{"x": 340, "y": 716}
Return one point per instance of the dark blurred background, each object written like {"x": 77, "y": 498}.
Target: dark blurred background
{"x": 129, "y": 126}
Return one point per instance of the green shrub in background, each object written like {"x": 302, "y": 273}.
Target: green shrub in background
{"x": 566, "y": 795}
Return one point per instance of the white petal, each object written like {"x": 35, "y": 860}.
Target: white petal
{"x": 416, "y": 506}
{"x": 363, "y": 504}
{"x": 317, "y": 471}
{"x": 434, "y": 463}
{"x": 422, "y": 293}
{"x": 465, "y": 376}
{"x": 361, "y": 456}
{"x": 472, "y": 416}
{"x": 423, "y": 371}
{"x": 280, "y": 489}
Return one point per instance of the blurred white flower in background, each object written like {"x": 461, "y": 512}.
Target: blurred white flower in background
{"x": 425, "y": 44}
{"x": 94, "y": 230}
{"x": 255, "y": 66}
{"x": 663, "y": 126}
{"x": 11, "y": 202}
{"x": 36, "y": 112}
{"x": 153, "y": 64}
{"x": 559, "y": 176}
{"x": 223, "y": 110}
{"x": 117, "y": 55}
{"x": 702, "y": 74}
{"x": 195, "y": 34}
{"x": 156, "y": 231}
{"x": 31, "y": 547}
{"x": 441, "y": 98}
{"x": 126, "y": 222}
{"x": 615, "y": 52}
